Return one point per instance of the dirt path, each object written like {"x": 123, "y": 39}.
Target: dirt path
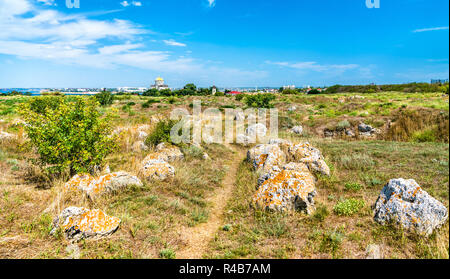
{"x": 198, "y": 237}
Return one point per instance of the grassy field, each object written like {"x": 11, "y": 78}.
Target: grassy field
{"x": 154, "y": 216}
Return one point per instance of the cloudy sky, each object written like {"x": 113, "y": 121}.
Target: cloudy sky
{"x": 111, "y": 43}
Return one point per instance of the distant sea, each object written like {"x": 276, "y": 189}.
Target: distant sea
{"x": 33, "y": 91}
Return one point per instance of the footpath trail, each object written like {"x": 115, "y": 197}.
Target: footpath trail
{"x": 198, "y": 237}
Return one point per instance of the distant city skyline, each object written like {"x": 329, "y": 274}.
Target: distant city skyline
{"x": 227, "y": 43}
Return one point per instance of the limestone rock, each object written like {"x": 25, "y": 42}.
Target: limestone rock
{"x": 157, "y": 169}
{"x": 305, "y": 153}
{"x": 110, "y": 182}
{"x": 142, "y": 135}
{"x": 256, "y": 130}
{"x": 168, "y": 154}
{"x": 79, "y": 223}
{"x": 113, "y": 182}
{"x": 404, "y": 202}
{"x": 139, "y": 146}
{"x": 287, "y": 190}
{"x": 264, "y": 156}
{"x": 297, "y": 130}
{"x": 292, "y": 108}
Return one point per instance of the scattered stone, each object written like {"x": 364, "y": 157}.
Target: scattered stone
{"x": 256, "y": 130}
{"x": 165, "y": 153}
{"x": 350, "y": 133}
{"x": 142, "y": 135}
{"x": 139, "y": 146}
{"x": 328, "y": 133}
{"x": 297, "y": 130}
{"x": 79, "y": 223}
{"x": 157, "y": 170}
{"x": 293, "y": 108}
{"x": 405, "y": 203}
{"x": 373, "y": 252}
{"x": 363, "y": 128}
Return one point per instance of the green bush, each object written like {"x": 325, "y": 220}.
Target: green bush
{"x": 68, "y": 136}
{"x": 427, "y": 135}
{"x": 238, "y": 97}
{"x": 259, "y": 100}
{"x": 105, "y": 98}
{"x": 160, "y": 134}
{"x": 349, "y": 207}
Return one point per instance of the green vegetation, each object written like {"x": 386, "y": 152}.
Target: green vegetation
{"x": 105, "y": 98}
{"x": 68, "y": 136}
{"x": 260, "y": 100}
{"x": 349, "y": 207}
{"x": 160, "y": 134}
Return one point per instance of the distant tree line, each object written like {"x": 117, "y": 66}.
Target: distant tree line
{"x": 15, "y": 93}
{"x": 189, "y": 89}
{"x": 407, "y": 88}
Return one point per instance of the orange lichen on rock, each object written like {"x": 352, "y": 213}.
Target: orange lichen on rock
{"x": 81, "y": 223}
{"x": 106, "y": 183}
{"x": 157, "y": 169}
{"x": 79, "y": 182}
{"x": 287, "y": 190}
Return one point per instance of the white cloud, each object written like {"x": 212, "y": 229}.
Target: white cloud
{"x": 212, "y": 3}
{"x": 314, "y": 66}
{"x": 133, "y": 3}
{"x": 49, "y": 35}
{"x": 48, "y": 2}
{"x": 173, "y": 43}
{"x": 430, "y": 29}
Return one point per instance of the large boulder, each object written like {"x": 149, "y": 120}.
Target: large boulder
{"x": 113, "y": 182}
{"x": 265, "y": 156}
{"x": 110, "y": 182}
{"x": 166, "y": 153}
{"x": 311, "y": 156}
{"x": 79, "y": 223}
{"x": 292, "y": 166}
{"x": 287, "y": 190}
{"x": 157, "y": 169}
{"x": 405, "y": 203}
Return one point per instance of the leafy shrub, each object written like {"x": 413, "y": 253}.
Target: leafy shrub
{"x": 238, "y": 97}
{"x": 259, "y": 100}
{"x": 131, "y": 104}
{"x": 104, "y": 98}
{"x": 160, "y": 134}
{"x": 427, "y": 135}
{"x": 349, "y": 207}
{"x": 68, "y": 136}
{"x": 331, "y": 242}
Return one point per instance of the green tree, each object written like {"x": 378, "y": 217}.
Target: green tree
{"x": 69, "y": 136}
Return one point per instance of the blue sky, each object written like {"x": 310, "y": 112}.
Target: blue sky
{"x": 112, "y": 43}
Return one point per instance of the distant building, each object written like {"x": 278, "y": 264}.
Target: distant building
{"x": 439, "y": 81}
{"x": 289, "y": 87}
{"x": 234, "y": 93}
{"x": 214, "y": 90}
{"x": 159, "y": 84}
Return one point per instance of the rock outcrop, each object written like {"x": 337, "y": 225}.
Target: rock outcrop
{"x": 287, "y": 190}
{"x": 107, "y": 183}
{"x": 311, "y": 156}
{"x": 405, "y": 203}
{"x": 265, "y": 156}
{"x": 79, "y": 223}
